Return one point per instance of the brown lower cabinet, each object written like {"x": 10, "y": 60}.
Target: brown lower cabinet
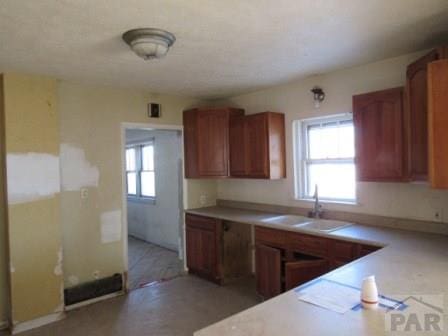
{"x": 202, "y": 244}
{"x": 301, "y": 271}
{"x": 268, "y": 270}
{"x": 285, "y": 260}
{"x": 218, "y": 251}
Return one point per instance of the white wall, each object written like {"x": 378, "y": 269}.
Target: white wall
{"x": 158, "y": 223}
{"x": 295, "y": 100}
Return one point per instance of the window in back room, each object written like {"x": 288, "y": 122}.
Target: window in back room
{"x": 325, "y": 151}
{"x": 140, "y": 171}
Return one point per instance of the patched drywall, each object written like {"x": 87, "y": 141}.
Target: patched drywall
{"x": 111, "y": 226}
{"x": 34, "y": 236}
{"x": 416, "y": 201}
{"x": 24, "y": 186}
{"x": 159, "y": 222}
{"x": 76, "y": 171}
{"x": 91, "y": 120}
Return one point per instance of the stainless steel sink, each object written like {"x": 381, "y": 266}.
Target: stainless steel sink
{"x": 324, "y": 225}
{"x": 289, "y": 220}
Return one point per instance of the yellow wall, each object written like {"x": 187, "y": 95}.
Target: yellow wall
{"x": 4, "y": 290}
{"x": 415, "y": 201}
{"x": 91, "y": 119}
{"x": 32, "y": 126}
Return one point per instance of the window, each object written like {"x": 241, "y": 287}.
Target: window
{"x": 326, "y": 150}
{"x": 140, "y": 175}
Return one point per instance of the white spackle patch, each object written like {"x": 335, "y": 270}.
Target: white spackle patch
{"x": 73, "y": 280}
{"x": 76, "y": 171}
{"x": 12, "y": 269}
{"x": 32, "y": 176}
{"x": 111, "y": 226}
{"x": 58, "y": 267}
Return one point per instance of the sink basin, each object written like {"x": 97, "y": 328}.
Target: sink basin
{"x": 324, "y": 225}
{"x": 290, "y": 220}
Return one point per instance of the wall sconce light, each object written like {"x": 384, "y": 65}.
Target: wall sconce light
{"x": 319, "y": 96}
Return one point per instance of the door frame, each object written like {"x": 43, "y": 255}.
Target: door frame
{"x": 181, "y": 239}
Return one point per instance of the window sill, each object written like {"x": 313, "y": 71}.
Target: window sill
{"x": 145, "y": 200}
{"x": 324, "y": 201}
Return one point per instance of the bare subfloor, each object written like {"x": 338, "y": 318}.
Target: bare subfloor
{"x": 149, "y": 262}
{"x": 177, "y": 307}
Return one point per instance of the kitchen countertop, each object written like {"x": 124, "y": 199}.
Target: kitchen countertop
{"x": 410, "y": 264}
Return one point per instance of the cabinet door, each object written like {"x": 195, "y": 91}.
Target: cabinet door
{"x": 299, "y": 272}
{"x": 257, "y": 145}
{"x": 341, "y": 253}
{"x": 438, "y": 123}
{"x": 190, "y": 144}
{"x": 417, "y": 118}
{"x": 238, "y": 158}
{"x": 268, "y": 271}
{"x": 201, "y": 252}
{"x": 379, "y": 136}
{"x": 212, "y": 142}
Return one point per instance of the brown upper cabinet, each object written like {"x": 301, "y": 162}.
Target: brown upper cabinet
{"x": 257, "y": 146}
{"x": 379, "y": 136}
{"x": 206, "y": 141}
{"x": 223, "y": 142}
{"x": 417, "y": 113}
{"x": 438, "y": 123}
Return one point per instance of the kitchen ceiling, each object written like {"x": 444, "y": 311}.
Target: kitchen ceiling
{"x": 223, "y": 48}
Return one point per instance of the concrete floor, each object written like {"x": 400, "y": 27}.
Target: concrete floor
{"x": 177, "y": 307}
{"x": 149, "y": 263}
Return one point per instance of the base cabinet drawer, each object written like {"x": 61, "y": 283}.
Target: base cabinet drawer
{"x": 313, "y": 245}
{"x": 271, "y": 237}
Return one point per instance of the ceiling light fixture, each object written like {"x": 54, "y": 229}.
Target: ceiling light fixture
{"x": 149, "y": 43}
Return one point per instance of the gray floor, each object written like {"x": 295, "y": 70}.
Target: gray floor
{"x": 177, "y": 307}
{"x": 149, "y": 263}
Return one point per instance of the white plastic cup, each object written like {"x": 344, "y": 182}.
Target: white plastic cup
{"x": 369, "y": 293}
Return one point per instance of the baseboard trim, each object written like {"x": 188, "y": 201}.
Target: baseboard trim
{"x": 4, "y": 325}
{"x": 36, "y": 323}
{"x": 92, "y": 301}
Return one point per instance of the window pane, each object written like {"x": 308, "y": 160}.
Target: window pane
{"x": 148, "y": 184}
{"x": 148, "y": 157}
{"x": 346, "y": 140}
{"x": 130, "y": 159}
{"x": 335, "y": 180}
{"x": 331, "y": 140}
{"x": 132, "y": 183}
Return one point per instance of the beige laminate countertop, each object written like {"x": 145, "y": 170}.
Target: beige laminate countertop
{"x": 411, "y": 263}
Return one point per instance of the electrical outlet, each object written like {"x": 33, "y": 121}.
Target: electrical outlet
{"x": 203, "y": 199}
{"x": 438, "y": 215}
{"x": 96, "y": 275}
{"x": 84, "y": 193}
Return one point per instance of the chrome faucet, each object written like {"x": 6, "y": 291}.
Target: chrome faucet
{"x": 317, "y": 210}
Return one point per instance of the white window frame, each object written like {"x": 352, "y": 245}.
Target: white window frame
{"x": 139, "y": 169}
{"x": 302, "y": 160}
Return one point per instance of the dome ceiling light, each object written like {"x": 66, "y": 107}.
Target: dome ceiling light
{"x": 149, "y": 43}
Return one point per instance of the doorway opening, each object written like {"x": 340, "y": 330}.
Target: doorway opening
{"x": 154, "y": 204}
